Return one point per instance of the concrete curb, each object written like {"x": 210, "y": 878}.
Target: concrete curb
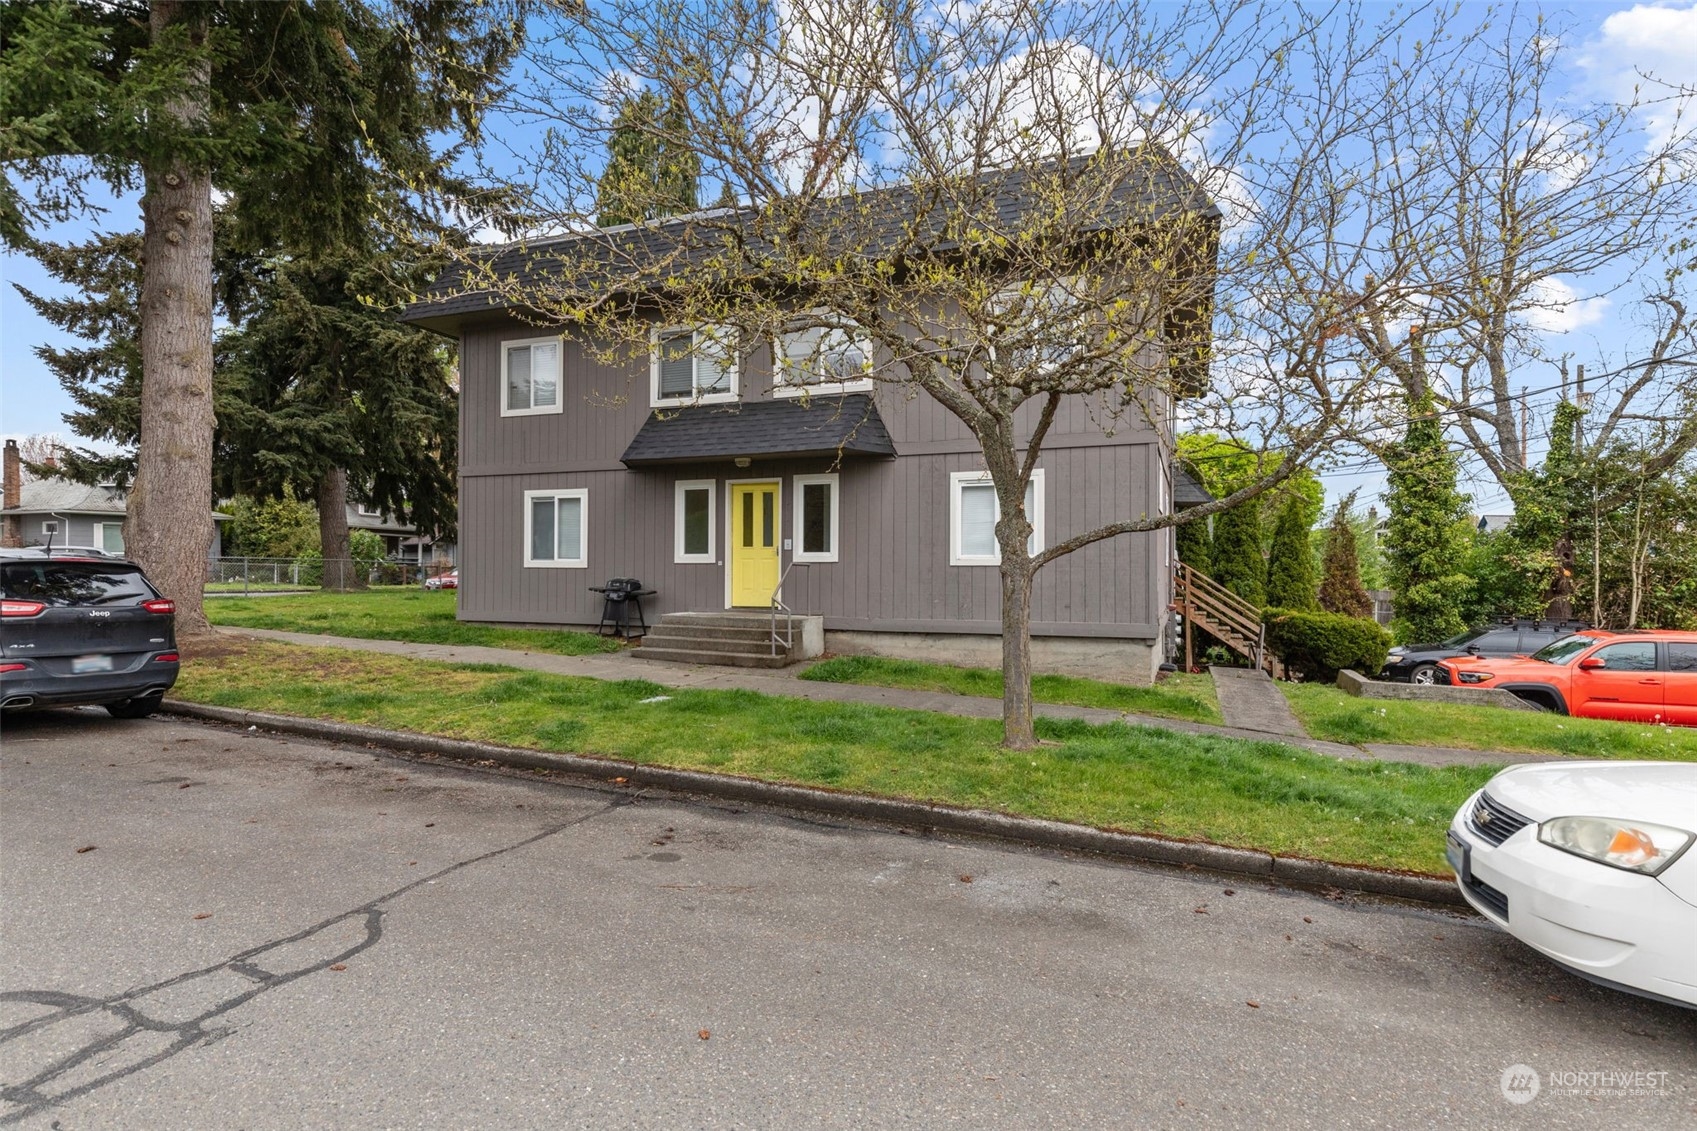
{"x": 1295, "y": 871}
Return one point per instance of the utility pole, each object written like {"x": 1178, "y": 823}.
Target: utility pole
{"x": 1583, "y": 401}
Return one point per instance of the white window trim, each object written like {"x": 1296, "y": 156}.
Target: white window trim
{"x": 797, "y": 526}
{"x": 959, "y": 479}
{"x": 1068, "y": 282}
{"x": 100, "y": 535}
{"x": 367, "y": 512}
{"x": 559, "y": 378}
{"x": 679, "y": 557}
{"x": 733, "y": 360}
{"x": 784, "y": 388}
{"x": 582, "y": 495}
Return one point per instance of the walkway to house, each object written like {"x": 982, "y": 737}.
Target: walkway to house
{"x": 1250, "y": 701}
{"x": 621, "y": 666}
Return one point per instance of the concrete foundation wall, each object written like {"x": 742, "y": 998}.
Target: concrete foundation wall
{"x": 1121, "y": 661}
{"x": 1354, "y": 683}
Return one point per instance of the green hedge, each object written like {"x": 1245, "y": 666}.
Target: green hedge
{"x": 1319, "y": 645}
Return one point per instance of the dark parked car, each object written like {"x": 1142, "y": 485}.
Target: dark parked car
{"x": 83, "y": 630}
{"x": 1418, "y": 663}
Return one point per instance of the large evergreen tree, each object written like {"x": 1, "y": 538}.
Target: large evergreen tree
{"x": 1236, "y": 555}
{"x": 1341, "y": 590}
{"x": 303, "y": 114}
{"x": 1290, "y": 563}
{"x": 329, "y": 393}
{"x": 651, "y": 170}
{"x": 1425, "y": 553}
{"x": 102, "y": 375}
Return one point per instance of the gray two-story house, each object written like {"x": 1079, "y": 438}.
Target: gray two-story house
{"x": 712, "y": 474}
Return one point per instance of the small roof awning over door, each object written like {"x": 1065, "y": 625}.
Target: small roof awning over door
{"x": 847, "y": 425}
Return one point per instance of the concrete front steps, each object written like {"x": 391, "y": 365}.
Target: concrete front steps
{"x": 737, "y": 640}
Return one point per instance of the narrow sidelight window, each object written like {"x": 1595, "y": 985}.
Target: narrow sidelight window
{"x": 694, "y": 521}
{"x": 816, "y": 518}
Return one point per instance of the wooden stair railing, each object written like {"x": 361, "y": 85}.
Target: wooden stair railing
{"x": 1205, "y": 603}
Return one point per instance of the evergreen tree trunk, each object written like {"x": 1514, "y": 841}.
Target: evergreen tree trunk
{"x": 333, "y": 541}
{"x": 169, "y": 524}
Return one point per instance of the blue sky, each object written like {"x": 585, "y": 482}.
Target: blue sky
{"x": 1615, "y": 41}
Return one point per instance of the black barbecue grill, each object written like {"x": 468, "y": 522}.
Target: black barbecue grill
{"x": 621, "y": 606}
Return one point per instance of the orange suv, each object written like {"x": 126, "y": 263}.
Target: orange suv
{"x": 1638, "y": 677}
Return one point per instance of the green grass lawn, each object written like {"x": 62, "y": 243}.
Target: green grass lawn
{"x": 1176, "y": 697}
{"x": 1260, "y": 795}
{"x": 409, "y": 613}
{"x": 1329, "y": 714}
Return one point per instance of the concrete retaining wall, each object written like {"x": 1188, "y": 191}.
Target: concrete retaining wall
{"x": 1119, "y": 661}
{"x": 1354, "y": 683}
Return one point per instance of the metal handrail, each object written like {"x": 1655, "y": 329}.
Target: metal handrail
{"x": 788, "y": 639}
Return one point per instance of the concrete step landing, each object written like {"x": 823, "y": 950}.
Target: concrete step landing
{"x": 731, "y": 639}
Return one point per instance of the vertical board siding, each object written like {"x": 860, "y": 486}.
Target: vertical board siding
{"x": 893, "y": 523}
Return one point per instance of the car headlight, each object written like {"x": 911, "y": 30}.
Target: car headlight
{"x": 1475, "y": 677}
{"x": 1632, "y": 845}
{"x": 1397, "y": 651}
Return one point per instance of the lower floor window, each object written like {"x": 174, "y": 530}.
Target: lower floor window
{"x": 554, "y": 528}
{"x": 109, "y": 536}
{"x": 693, "y": 521}
{"x": 816, "y": 518}
{"x": 974, "y": 511}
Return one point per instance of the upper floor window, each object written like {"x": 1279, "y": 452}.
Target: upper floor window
{"x": 692, "y": 366}
{"x": 366, "y": 510}
{"x": 1045, "y": 324}
{"x": 530, "y": 376}
{"x": 822, "y": 359}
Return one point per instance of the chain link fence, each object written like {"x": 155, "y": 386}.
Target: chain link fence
{"x": 282, "y": 575}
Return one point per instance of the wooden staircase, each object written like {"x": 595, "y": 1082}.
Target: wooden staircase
{"x": 1206, "y": 604}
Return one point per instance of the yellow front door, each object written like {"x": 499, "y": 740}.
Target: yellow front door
{"x": 754, "y": 543}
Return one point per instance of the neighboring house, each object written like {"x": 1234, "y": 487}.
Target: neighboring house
{"x": 707, "y": 478}
{"x": 1493, "y": 523}
{"x": 400, "y": 540}
{"x": 67, "y": 513}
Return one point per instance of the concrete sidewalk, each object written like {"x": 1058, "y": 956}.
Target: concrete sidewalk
{"x": 1249, "y": 701}
{"x": 621, "y": 666}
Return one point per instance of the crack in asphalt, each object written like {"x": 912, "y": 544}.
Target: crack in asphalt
{"x": 129, "y": 1010}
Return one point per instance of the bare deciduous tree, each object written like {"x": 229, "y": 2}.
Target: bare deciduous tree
{"x": 1520, "y": 207}
{"x": 1025, "y": 209}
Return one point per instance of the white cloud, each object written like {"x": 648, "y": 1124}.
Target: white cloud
{"x": 1637, "y": 51}
{"x": 1658, "y": 38}
{"x": 1559, "y": 309}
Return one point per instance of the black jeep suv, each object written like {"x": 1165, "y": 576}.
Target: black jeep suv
{"x": 1418, "y": 663}
{"x": 83, "y": 630}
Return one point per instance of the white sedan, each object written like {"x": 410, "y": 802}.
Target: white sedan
{"x": 1591, "y": 864}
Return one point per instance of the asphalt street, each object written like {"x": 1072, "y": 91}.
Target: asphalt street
{"x": 205, "y": 927}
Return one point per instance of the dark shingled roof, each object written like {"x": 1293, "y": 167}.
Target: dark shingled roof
{"x": 1187, "y": 492}
{"x": 866, "y": 224}
{"x": 823, "y": 426}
